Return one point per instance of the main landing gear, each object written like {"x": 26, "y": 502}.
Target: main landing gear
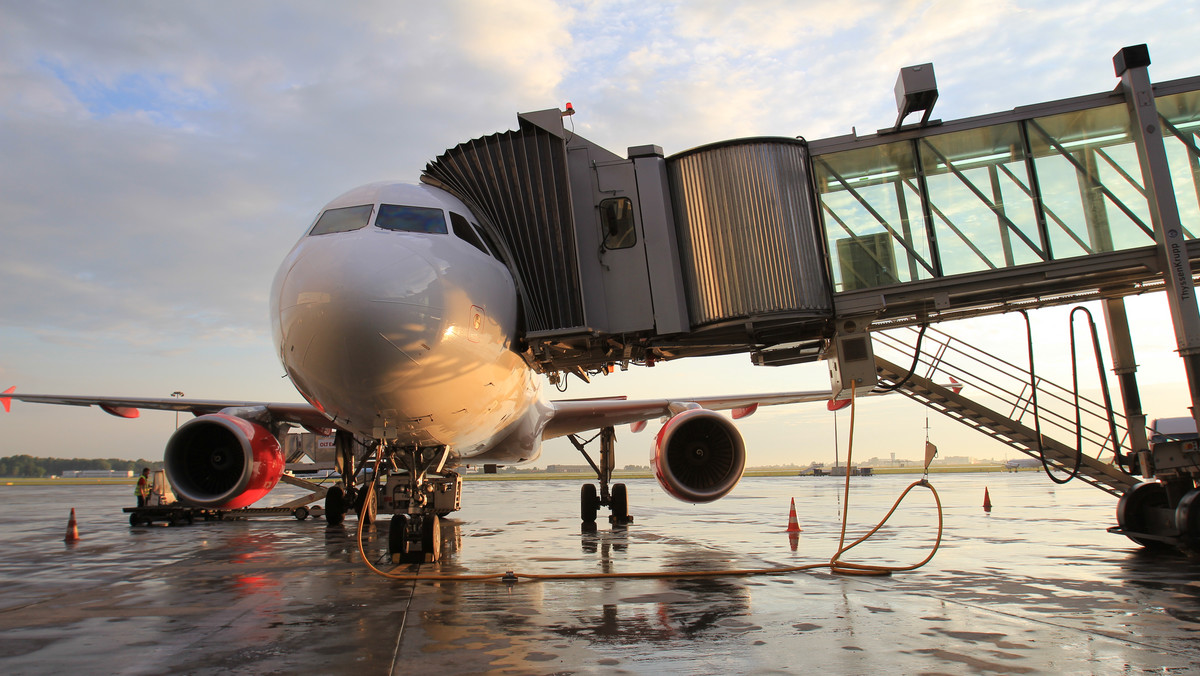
{"x": 590, "y": 501}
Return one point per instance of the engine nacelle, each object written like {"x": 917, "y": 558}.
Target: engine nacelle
{"x": 698, "y": 456}
{"x": 222, "y": 461}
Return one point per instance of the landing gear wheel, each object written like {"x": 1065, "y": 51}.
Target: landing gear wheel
{"x": 1187, "y": 520}
{"x": 335, "y": 506}
{"x": 431, "y": 538}
{"x": 589, "y": 503}
{"x": 619, "y": 505}
{"x": 1134, "y": 511}
{"x": 398, "y": 542}
{"x": 359, "y": 502}
{"x": 301, "y": 513}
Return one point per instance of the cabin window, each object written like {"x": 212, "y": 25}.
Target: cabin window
{"x": 342, "y": 219}
{"x": 411, "y": 219}
{"x": 616, "y": 223}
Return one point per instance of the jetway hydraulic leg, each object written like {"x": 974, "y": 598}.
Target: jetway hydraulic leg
{"x": 1126, "y": 371}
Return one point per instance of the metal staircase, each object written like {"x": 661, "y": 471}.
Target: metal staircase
{"x": 1000, "y": 404}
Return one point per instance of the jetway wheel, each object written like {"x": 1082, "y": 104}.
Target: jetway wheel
{"x": 589, "y": 503}
{"x": 1133, "y": 511}
{"x": 1187, "y": 520}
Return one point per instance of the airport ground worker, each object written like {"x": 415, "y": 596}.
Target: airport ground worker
{"x": 142, "y": 490}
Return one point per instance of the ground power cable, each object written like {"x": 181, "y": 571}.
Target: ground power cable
{"x": 835, "y": 564}
{"x": 1108, "y": 407}
{"x": 1037, "y": 416}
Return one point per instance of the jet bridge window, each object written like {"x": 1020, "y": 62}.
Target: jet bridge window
{"x": 616, "y": 223}
{"x": 411, "y": 219}
{"x": 343, "y": 219}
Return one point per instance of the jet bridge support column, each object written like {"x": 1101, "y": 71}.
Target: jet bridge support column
{"x": 1125, "y": 368}
{"x": 1131, "y": 65}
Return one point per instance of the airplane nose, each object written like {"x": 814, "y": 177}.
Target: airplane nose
{"x": 357, "y": 314}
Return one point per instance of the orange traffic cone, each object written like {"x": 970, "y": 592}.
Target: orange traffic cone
{"x": 72, "y": 530}
{"x": 793, "y": 525}
{"x": 987, "y": 500}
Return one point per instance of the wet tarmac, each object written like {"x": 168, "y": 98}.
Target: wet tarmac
{"x": 1036, "y": 586}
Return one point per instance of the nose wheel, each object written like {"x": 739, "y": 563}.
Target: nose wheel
{"x": 413, "y": 538}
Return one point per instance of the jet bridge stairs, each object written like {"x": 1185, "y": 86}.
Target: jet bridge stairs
{"x": 996, "y": 399}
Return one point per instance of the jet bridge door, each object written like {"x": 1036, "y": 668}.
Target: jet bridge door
{"x": 612, "y": 242}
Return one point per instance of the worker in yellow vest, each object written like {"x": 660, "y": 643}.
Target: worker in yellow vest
{"x": 142, "y": 490}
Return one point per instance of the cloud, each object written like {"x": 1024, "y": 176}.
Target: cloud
{"x": 161, "y": 158}
{"x": 170, "y": 155}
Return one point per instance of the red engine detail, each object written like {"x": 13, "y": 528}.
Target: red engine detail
{"x": 698, "y": 456}
{"x": 222, "y": 461}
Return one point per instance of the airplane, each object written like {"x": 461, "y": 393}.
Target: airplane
{"x": 397, "y": 321}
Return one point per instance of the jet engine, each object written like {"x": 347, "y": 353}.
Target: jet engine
{"x": 698, "y": 456}
{"x": 222, "y": 461}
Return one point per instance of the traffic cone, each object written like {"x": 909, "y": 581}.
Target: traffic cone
{"x": 987, "y": 500}
{"x": 72, "y": 530}
{"x": 793, "y": 525}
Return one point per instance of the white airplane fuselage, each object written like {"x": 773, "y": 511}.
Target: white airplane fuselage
{"x": 398, "y": 333}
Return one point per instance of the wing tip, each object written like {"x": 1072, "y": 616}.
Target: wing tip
{"x": 7, "y": 401}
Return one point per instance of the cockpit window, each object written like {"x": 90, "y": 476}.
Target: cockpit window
{"x": 411, "y": 219}
{"x": 465, "y": 232}
{"x": 343, "y": 219}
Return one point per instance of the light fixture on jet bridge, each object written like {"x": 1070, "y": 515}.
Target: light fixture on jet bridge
{"x": 916, "y": 89}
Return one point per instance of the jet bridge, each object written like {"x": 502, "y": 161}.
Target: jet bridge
{"x": 758, "y": 245}
{"x": 794, "y": 251}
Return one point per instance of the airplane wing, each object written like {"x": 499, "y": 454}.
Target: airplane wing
{"x": 130, "y": 407}
{"x": 573, "y": 416}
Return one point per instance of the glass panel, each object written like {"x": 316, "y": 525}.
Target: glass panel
{"x": 1181, "y": 135}
{"x": 1090, "y": 180}
{"x": 343, "y": 219}
{"x": 464, "y": 231}
{"x": 616, "y": 222}
{"x": 411, "y": 219}
{"x": 487, "y": 241}
{"x": 979, "y": 198}
{"x": 871, "y": 212}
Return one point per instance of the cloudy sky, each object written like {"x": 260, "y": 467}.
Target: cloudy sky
{"x": 160, "y": 158}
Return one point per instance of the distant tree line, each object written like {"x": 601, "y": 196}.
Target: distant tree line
{"x": 29, "y": 466}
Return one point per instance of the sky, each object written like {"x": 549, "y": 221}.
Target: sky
{"x": 161, "y": 158}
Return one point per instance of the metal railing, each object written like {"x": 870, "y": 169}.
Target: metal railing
{"x": 1005, "y": 386}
